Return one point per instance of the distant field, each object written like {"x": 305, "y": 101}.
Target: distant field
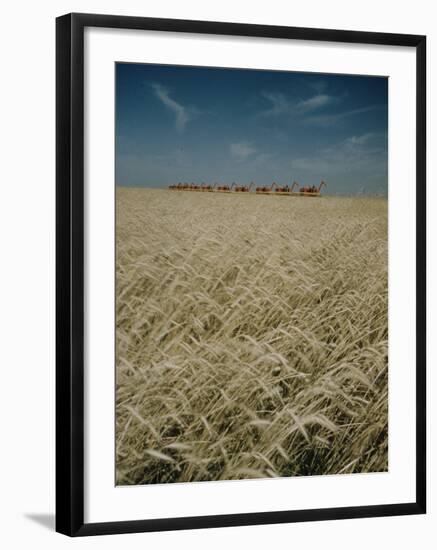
{"x": 251, "y": 336}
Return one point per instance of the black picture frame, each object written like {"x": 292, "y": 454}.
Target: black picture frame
{"x": 70, "y": 273}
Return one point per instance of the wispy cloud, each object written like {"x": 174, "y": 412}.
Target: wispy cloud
{"x": 279, "y": 104}
{"x": 307, "y": 109}
{"x": 313, "y": 103}
{"x": 334, "y": 118}
{"x": 180, "y": 111}
{"x": 242, "y": 150}
{"x": 363, "y": 155}
{"x": 283, "y": 105}
{"x": 362, "y": 139}
{"x": 319, "y": 85}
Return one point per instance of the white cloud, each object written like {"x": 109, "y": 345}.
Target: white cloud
{"x": 364, "y": 155}
{"x": 360, "y": 140}
{"x": 279, "y": 104}
{"x": 314, "y": 102}
{"x": 181, "y": 113}
{"x": 318, "y": 85}
{"x": 282, "y": 105}
{"x": 242, "y": 150}
{"x": 329, "y": 119}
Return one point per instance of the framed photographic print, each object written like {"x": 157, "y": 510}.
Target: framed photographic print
{"x": 240, "y": 274}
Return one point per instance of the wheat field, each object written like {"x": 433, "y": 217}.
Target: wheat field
{"x": 251, "y": 336}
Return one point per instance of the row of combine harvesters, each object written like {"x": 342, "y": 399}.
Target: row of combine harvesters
{"x": 273, "y": 189}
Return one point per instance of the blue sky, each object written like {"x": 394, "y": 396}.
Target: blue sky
{"x": 199, "y": 124}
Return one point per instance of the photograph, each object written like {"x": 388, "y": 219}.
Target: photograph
{"x": 251, "y": 288}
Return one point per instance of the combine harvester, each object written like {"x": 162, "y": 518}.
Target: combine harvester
{"x": 243, "y": 188}
{"x": 312, "y": 191}
{"x": 287, "y": 190}
{"x": 195, "y": 187}
{"x": 274, "y": 189}
{"x": 181, "y": 187}
{"x": 225, "y": 188}
{"x": 265, "y": 190}
{"x": 175, "y": 187}
{"x": 208, "y": 188}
